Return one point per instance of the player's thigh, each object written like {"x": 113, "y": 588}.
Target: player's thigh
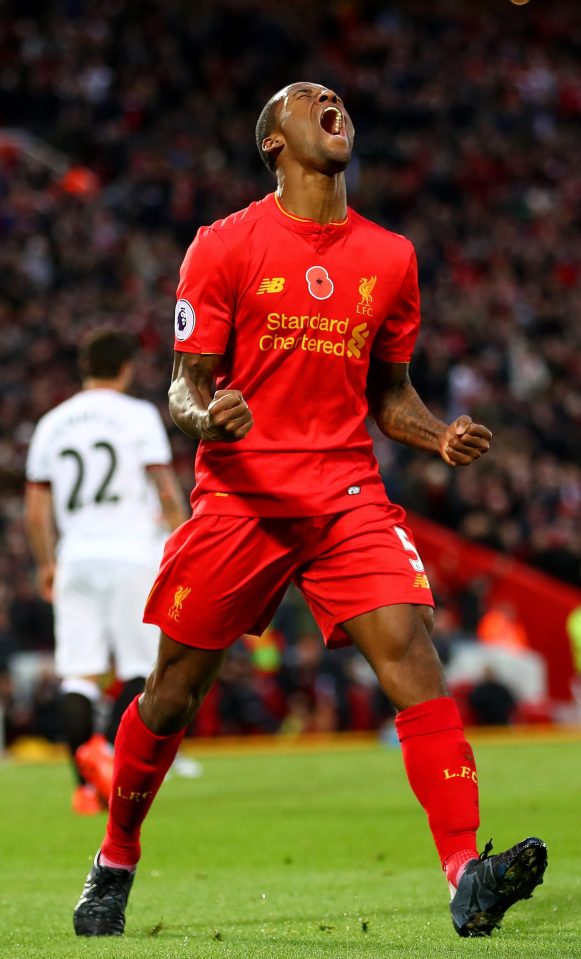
{"x": 80, "y": 620}
{"x": 133, "y": 642}
{"x": 361, "y": 563}
{"x": 396, "y": 641}
{"x": 388, "y": 632}
{"x": 222, "y": 576}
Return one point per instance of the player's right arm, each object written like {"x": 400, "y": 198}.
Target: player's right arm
{"x": 39, "y": 520}
{"x": 40, "y": 531}
{"x": 206, "y": 297}
{"x": 223, "y": 416}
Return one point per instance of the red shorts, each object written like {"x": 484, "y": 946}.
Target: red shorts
{"x": 222, "y": 576}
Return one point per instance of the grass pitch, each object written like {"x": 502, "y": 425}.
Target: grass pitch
{"x": 318, "y": 854}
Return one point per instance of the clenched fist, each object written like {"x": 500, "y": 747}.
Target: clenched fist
{"x": 464, "y": 441}
{"x": 228, "y": 417}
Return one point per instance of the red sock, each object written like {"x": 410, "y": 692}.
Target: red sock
{"x": 141, "y": 761}
{"x": 456, "y": 864}
{"x": 442, "y": 773}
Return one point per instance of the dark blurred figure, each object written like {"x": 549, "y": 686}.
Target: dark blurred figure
{"x": 491, "y": 701}
{"x": 471, "y": 605}
{"x": 16, "y": 717}
{"x": 8, "y": 642}
{"x": 31, "y": 619}
{"x": 556, "y": 550}
{"x": 45, "y": 720}
{"x": 316, "y": 686}
{"x": 241, "y": 708}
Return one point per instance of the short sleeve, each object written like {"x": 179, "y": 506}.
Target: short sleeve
{"x": 155, "y": 448}
{"x": 396, "y": 338}
{"x": 205, "y": 302}
{"x": 38, "y": 467}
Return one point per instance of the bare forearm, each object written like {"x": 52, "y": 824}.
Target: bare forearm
{"x": 42, "y": 542}
{"x": 39, "y": 523}
{"x": 188, "y": 406}
{"x": 222, "y": 418}
{"x": 403, "y": 416}
{"x": 400, "y": 414}
{"x": 190, "y": 393}
{"x": 41, "y": 534}
{"x": 171, "y": 498}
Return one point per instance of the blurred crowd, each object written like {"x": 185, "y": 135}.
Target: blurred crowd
{"x": 286, "y": 681}
{"x": 125, "y": 124}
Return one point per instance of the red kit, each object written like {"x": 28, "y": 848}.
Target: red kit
{"x": 295, "y": 309}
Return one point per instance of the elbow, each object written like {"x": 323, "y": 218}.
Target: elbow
{"x": 372, "y": 410}
{"x": 376, "y": 411}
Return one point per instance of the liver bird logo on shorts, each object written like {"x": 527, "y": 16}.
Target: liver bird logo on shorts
{"x": 181, "y": 594}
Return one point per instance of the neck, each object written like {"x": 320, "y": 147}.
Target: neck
{"x": 313, "y": 196}
{"x": 91, "y": 383}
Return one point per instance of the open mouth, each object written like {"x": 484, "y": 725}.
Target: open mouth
{"x": 331, "y": 120}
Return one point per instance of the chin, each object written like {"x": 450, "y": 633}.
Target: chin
{"x": 335, "y": 162}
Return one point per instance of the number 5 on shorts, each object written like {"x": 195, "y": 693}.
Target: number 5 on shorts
{"x": 416, "y": 564}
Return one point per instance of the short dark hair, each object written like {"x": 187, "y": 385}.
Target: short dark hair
{"x": 264, "y": 127}
{"x": 104, "y": 351}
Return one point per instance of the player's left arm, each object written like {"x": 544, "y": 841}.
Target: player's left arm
{"x": 41, "y": 534}
{"x": 170, "y": 495}
{"x": 401, "y": 415}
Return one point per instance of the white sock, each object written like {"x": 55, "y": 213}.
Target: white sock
{"x": 104, "y": 861}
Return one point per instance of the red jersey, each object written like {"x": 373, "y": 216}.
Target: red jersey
{"x": 295, "y": 309}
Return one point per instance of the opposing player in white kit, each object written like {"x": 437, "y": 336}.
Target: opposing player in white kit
{"x": 99, "y": 467}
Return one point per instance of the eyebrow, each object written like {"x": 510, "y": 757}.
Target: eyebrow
{"x": 311, "y": 90}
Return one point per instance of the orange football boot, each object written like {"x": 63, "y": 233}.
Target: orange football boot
{"x": 86, "y": 802}
{"x": 95, "y": 763}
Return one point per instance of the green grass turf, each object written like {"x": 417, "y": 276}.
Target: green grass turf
{"x": 315, "y": 854}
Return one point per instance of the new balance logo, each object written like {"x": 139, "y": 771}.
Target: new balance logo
{"x": 273, "y": 284}
{"x": 421, "y": 581}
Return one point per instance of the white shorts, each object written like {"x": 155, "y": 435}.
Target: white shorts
{"x": 98, "y": 610}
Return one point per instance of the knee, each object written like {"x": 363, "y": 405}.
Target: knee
{"x": 397, "y": 642}
{"x": 169, "y": 703}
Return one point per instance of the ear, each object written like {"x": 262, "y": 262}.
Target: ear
{"x": 273, "y": 144}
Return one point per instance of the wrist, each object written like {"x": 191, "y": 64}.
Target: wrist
{"x": 208, "y": 431}
{"x": 441, "y": 439}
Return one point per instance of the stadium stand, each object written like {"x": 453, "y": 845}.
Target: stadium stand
{"x": 124, "y": 126}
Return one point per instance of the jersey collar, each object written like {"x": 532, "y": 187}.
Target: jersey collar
{"x": 299, "y": 224}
